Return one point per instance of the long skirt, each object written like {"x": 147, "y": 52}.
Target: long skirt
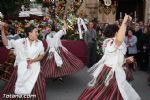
{"x": 38, "y": 92}
{"x": 71, "y": 64}
{"x": 101, "y": 92}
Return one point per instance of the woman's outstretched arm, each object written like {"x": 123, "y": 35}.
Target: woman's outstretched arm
{"x": 4, "y": 38}
{"x": 122, "y": 30}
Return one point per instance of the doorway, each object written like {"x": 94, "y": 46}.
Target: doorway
{"x": 132, "y": 7}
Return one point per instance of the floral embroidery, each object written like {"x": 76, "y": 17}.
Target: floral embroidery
{"x": 25, "y": 43}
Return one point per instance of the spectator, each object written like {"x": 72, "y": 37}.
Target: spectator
{"x": 90, "y": 39}
{"x": 131, "y": 42}
{"x": 144, "y": 50}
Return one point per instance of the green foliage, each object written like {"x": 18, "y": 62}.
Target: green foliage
{"x": 99, "y": 41}
{"x": 40, "y": 37}
{"x": 39, "y": 1}
{"x": 71, "y": 35}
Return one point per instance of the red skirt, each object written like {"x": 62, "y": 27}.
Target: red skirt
{"x": 100, "y": 91}
{"x": 39, "y": 89}
{"x": 71, "y": 64}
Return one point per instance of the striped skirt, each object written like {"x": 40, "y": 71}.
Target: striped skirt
{"x": 100, "y": 91}
{"x": 71, "y": 64}
{"x": 38, "y": 92}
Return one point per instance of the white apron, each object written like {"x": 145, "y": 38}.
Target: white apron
{"x": 26, "y": 78}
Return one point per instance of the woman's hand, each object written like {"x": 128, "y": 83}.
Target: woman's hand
{"x": 130, "y": 59}
{"x": 29, "y": 62}
{"x": 3, "y": 24}
{"x": 65, "y": 25}
{"x": 128, "y": 45}
{"x": 127, "y": 19}
{"x": 3, "y": 29}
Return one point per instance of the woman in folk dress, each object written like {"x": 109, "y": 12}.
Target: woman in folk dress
{"x": 27, "y": 77}
{"x": 59, "y": 61}
{"x": 109, "y": 82}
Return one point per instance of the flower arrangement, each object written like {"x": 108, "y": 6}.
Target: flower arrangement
{"x": 99, "y": 41}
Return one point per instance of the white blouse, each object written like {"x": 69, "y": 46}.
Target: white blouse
{"x": 53, "y": 40}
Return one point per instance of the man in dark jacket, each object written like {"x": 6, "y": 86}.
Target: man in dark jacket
{"x": 90, "y": 39}
{"x": 145, "y": 49}
{"x": 138, "y": 33}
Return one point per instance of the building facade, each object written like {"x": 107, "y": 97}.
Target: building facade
{"x": 108, "y": 11}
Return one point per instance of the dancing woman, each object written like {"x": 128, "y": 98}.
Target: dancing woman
{"x": 59, "y": 61}
{"x": 27, "y": 77}
{"x": 109, "y": 79}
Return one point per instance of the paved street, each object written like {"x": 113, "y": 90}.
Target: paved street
{"x": 73, "y": 86}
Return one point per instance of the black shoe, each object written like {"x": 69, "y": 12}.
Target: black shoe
{"x": 54, "y": 79}
{"x": 60, "y": 79}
